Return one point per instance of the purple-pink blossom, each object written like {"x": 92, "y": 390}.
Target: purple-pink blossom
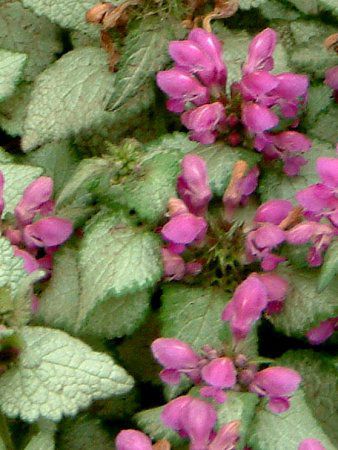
{"x": 260, "y": 52}
{"x": 323, "y": 331}
{"x": 257, "y": 293}
{"x": 278, "y": 384}
{"x": 311, "y": 444}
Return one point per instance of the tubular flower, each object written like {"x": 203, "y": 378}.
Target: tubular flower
{"x": 132, "y": 440}
{"x": 323, "y": 331}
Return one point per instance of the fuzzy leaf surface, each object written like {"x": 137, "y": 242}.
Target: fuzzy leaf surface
{"x": 110, "y": 248}
{"x": 144, "y": 54}
{"x": 13, "y": 110}
{"x": 285, "y": 431}
{"x": 17, "y": 178}
{"x": 58, "y": 375}
{"x": 11, "y": 66}
{"x": 68, "y": 97}
{"x": 320, "y": 386}
{"x": 22, "y": 31}
{"x": 11, "y": 268}
{"x": 304, "y": 306}
{"x": 329, "y": 268}
{"x": 61, "y": 306}
{"x": 66, "y": 13}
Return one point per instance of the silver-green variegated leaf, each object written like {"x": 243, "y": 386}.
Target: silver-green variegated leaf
{"x": 68, "y": 97}
{"x": 329, "y": 270}
{"x": 11, "y": 66}
{"x": 13, "y": 110}
{"x": 58, "y": 375}
{"x": 22, "y": 31}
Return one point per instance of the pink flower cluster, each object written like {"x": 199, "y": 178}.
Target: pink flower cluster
{"x": 257, "y": 293}
{"x": 196, "y": 87}
{"x": 35, "y": 233}
{"x": 319, "y": 227}
{"x": 187, "y": 225}
{"x": 217, "y": 374}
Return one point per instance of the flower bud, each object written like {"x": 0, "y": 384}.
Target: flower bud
{"x": 184, "y": 229}
{"x": 174, "y": 265}
{"x": 273, "y": 211}
{"x": 48, "y": 232}
{"x": 176, "y": 207}
{"x": 260, "y": 52}
{"x": 132, "y": 440}
{"x": 311, "y": 444}
{"x": 323, "y": 331}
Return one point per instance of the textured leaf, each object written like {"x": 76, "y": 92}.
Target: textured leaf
{"x": 220, "y": 160}
{"x": 144, "y": 54}
{"x": 322, "y": 128}
{"x": 60, "y": 303}
{"x": 57, "y": 375}
{"x": 13, "y": 110}
{"x": 149, "y": 191}
{"x": 329, "y": 5}
{"x": 150, "y": 422}
{"x": 309, "y": 55}
{"x": 319, "y": 100}
{"x": 275, "y": 184}
{"x": 238, "y": 406}
{"x": 190, "y": 314}
{"x": 66, "y": 13}
{"x": 110, "y": 248}
{"x": 320, "y": 384}
{"x": 11, "y": 268}
{"x": 274, "y": 9}
{"x": 329, "y": 268}
{"x": 11, "y": 66}
{"x": 84, "y": 433}
{"x": 306, "y": 6}
{"x": 286, "y": 431}
{"x": 248, "y": 4}
{"x": 24, "y": 32}
{"x": 304, "y": 307}
{"x": 58, "y": 161}
{"x": 68, "y": 97}
{"x": 17, "y": 178}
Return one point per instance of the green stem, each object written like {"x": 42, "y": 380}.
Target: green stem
{"x": 5, "y": 433}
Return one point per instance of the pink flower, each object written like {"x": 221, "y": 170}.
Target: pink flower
{"x": 193, "y": 184}
{"x": 132, "y": 440}
{"x": 176, "y": 357}
{"x": 246, "y": 306}
{"x": 204, "y": 122}
{"x": 323, "y": 331}
{"x": 30, "y": 264}
{"x": 278, "y": 384}
{"x": 258, "y": 118}
{"x": 182, "y": 88}
{"x": 311, "y": 444}
{"x": 48, "y": 232}
{"x": 212, "y": 47}
{"x": 219, "y": 373}
{"x": 227, "y": 437}
{"x": 256, "y": 85}
{"x": 173, "y": 414}
{"x": 184, "y": 229}
{"x": 319, "y": 234}
{"x": 36, "y": 199}
{"x": 273, "y": 211}
{"x": 276, "y": 289}
{"x": 174, "y": 265}
{"x": 260, "y": 52}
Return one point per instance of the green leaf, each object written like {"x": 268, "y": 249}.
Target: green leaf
{"x": 275, "y": 184}
{"x": 248, "y": 4}
{"x": 44, "y": 439}
{"x": 68, "y": 97}
{"x": 58, "y": 161}
{"x": 193, "y": 315}
{"x": 308, "y": 54}
{"x": 22, "y": 31}
{"x": 60, "y": 303}
{"x": 286, "y": 431}
{"x": 320, "y": 384}
{"x": 110, "y": 248}
{"x": 329, "y": 5}
{"x": 306, "y": 6}
{"x": 150, "y": 422}
{"x": 11, "y": 66}
{"x": 304, "y": 307}
{"x": 145, "y": 53}
{"x": 320, "y": 98}
{"x": 17, "y": 178}
{"x": 152, "y": 186}
{"x": 57, "y": 375}
{"x": 13, "y": 110}
{"x": 329, "y": 268}
{"x": 274, "y": 9}
{"x": 66, "y": 13}
{"x": 238, "y": 406}
{"x": 322, "y": 128}
{"x": 220, "y": 161}
{"x": 84, "y": 433}
{"x": 11, "y": 268}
